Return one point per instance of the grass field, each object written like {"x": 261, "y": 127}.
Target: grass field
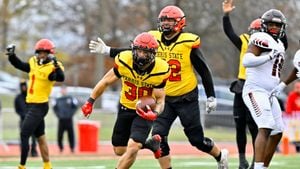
{"x": 179, "y": 162}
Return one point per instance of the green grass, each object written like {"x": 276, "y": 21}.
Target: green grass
{"x": 182, "y": 162}
{"x": 11, "y": 128}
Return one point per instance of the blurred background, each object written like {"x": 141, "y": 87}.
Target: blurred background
{"x": 71, "y": 24}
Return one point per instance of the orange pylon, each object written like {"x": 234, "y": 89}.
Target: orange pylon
{"x": 285, "y": 145}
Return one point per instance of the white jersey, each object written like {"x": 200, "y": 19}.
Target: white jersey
{"x": 265, "y": 76}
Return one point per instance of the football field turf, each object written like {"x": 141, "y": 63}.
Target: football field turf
{"x": 143, "y": 162}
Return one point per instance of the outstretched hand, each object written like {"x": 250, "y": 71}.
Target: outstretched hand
{"x": 228, "y": 6}
{"x": 99, "y": 47}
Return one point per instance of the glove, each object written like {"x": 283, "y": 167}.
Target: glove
{"x": 278, "y": 89}
{"x": 274, "y": 53}
{"x": 53, "y": 58}
{"x": 99, "y": 47}
{"x": 211, "y": 104}
{"x": 149, "y": 115}
{"x": 87, "y": 108}
{"x": 298, "y": 74}
{"x": 10, "y": 49}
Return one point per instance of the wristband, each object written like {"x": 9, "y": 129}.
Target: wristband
{"x": 91, "y": 100}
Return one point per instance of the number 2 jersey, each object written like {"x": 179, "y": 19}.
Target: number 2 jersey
{"x": 265, "y": 76}
{"x": 135, "y": 85}
{"x": 182, "y": 79}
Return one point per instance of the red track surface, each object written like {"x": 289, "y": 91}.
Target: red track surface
{"x": 105, "y": 149}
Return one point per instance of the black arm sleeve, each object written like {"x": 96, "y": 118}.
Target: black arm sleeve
{"x": 203, "y": 70}
{"x": 17, "y": 63}
{"x": 228, "y": 29}
{"x": 57, "y": 75}
{"x": 115, "y": 51}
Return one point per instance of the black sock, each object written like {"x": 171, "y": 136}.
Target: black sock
{"x": 218, "y": 158}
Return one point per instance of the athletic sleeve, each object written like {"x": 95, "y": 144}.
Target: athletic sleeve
{"x": 229, "y": 31}
{"x": 115, "y": 51}
{"x": 199, "y": 63}
{"x": 17, "y": 63}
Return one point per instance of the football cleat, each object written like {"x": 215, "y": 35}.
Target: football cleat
{"x": 154, "y": 145}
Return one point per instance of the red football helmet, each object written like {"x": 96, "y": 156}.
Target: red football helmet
{"x": 171, "y": 12}
{"x": 255, "y": 26}
{"x": 148, "y": 44}
{"x": 45, "y": 45}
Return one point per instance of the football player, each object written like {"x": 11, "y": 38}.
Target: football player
{"x": 43, "y": 71}
{"x": 182, "y": 52}
{"x": 142, "y": 74}
{"x": 264, "y": 58}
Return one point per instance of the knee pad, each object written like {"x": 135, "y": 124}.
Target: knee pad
{"x": 164, "y": 146}
{"x": 197, "y": 139}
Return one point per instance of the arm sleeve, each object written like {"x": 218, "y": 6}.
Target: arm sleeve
{"x": 203, "y": 70}
{"x": 115, "y": 51}
{"x": 57, "y": 75}
{"x": 250, "y": 60}
{"x": 17, "y": 63}
{"x": 228, "y": 29}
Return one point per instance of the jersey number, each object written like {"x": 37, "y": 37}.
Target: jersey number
{"x": 175, "y": 70}
{"x": 32, "y": 83}
{"x": 135, "y": 92}
{"x": 277, "y": 66}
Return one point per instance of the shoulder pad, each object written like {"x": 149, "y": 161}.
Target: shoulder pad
{"x": 190, "y": 37}
{"x": 296, "y": 60}
{"x": 263, "y": 40}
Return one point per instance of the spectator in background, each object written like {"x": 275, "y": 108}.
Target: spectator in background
{"x": 64, "y": 108}
{"x": 292, "y": 106}
{"x": 21, "y": 109}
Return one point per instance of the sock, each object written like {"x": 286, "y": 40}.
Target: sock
{"x": 242, "y": 157}
{"x": 258, "y": 165}
{"x": 21, "y": 167}
{"x": 218, "y": 158}
{"x": 47, "y": 165}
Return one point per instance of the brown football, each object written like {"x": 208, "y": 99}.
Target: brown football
{"x": 146, "y": 100}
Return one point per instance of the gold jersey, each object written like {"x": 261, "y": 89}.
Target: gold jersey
{"x": 135, "y": 85}
{"x": 183, "y": 78}
{"x": 242, "y": 70}
{"x": 40, "y": 86}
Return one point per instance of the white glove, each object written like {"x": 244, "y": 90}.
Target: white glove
{"x": 211, "y": 104}
{"x": 278, "y": 89}
{"x": 298, "y": 74}
{"x": 99, "y": 47}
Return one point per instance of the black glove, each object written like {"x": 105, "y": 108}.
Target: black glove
{"x": 10, "y": 49}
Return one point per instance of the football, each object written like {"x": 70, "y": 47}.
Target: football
{"x": 146, "y": 100}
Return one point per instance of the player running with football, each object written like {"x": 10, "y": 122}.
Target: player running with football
{"x": 264, "y": 59}
{"x": 142, "y": 74}
{"x": 43, "y": 70}
{"x": 181, "y": 50}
